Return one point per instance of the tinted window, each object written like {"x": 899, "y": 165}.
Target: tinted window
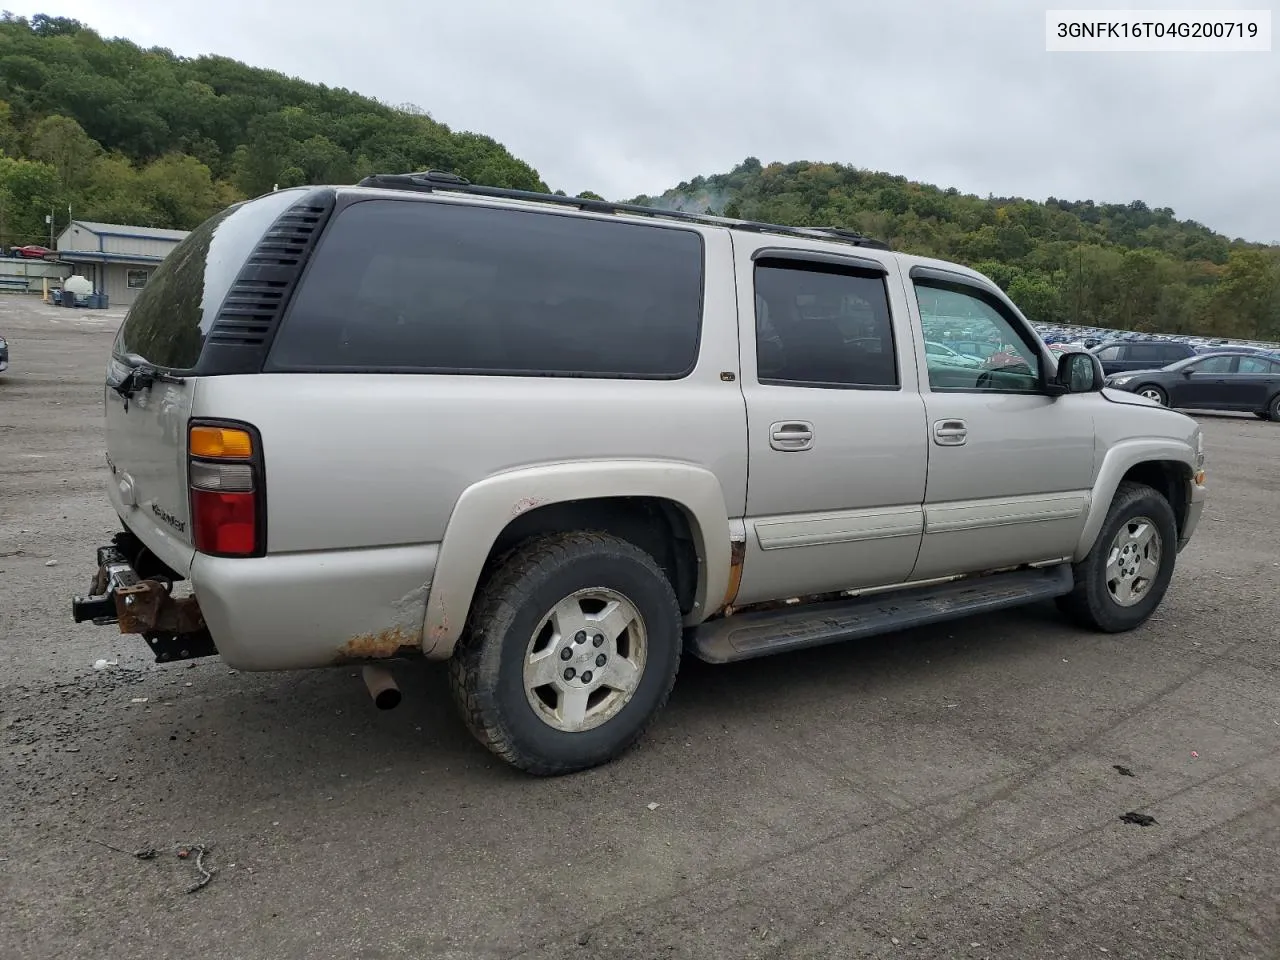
{"x": 1110, "y": 353}
{"x": 1256, "y": 365}
{"x": 452, "y": 288}
{"x": 1152, "y": 353}
{"x": 1214, "y": 365}
{"x": 1014, "y": 362}
{"x": 820, "y": 325}
{"x": 172, "y": 315}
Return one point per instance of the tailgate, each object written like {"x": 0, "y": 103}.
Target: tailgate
{"x": 147, "y": 456}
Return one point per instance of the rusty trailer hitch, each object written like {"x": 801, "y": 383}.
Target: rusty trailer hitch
{"x": 173, "y": 627}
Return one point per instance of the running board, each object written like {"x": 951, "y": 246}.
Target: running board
{"x": 743, "y": 636}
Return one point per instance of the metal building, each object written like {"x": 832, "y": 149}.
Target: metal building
{"x": 116, "y": 258}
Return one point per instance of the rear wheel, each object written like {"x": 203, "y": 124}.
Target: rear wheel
{"x": 571, "y": 650}
{"x": 1126, "y": 574}
{"x": 1152, "y": 392}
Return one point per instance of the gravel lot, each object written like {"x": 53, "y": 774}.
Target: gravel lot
{"x": 949, "y": 792}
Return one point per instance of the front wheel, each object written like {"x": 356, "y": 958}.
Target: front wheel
{"x": 571, "y": 650}
{"x": 1127, "y": 572}
{"x": 1273, "y": 409}
{"x": 1152, "y": 392}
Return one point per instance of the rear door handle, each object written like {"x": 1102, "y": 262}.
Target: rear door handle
{"x": 790, "y": 435}
{"x": 950, "y": 433}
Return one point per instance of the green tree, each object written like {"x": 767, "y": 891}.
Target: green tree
{"x": 179, "y": 191}
{"x": 28, "y": 192}
{"x": 1036, "y": 297}
{"x": 63, "y": 144}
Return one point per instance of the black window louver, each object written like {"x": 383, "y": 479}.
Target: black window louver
{"x": 255, "y": 301}
{"x": 252, "y": 309}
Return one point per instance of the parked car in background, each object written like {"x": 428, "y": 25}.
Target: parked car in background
{"x": 940, "y": 353}
{"x": 32, "y": 251}
{"x": 973, "y": 348}
{"x": 1118, "y": 356}
{"x": 4, "y": 355}
{"x": 1225, "y": 380}
{"x": 1008, "y": 359}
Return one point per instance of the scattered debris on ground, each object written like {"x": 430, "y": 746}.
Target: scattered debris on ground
{"x": 1123, "y": 771}
{"x": 1141, "y": 819}
{"x": 184, "y": 851}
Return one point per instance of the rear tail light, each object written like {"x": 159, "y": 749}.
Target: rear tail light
{"x": 228, "y": 503}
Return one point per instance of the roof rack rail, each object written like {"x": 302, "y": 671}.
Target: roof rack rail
{"x": 430, "y": 181}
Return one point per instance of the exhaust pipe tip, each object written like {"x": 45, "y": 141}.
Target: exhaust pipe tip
{"x": 382, "y": 687}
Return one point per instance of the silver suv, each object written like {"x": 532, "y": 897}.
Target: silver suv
{"x": 557, "y": 442}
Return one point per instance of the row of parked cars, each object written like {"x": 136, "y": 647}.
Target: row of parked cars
{"x": 1187, "y": 372}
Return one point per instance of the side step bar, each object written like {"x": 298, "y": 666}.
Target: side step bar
{"x": 744, "y": 636}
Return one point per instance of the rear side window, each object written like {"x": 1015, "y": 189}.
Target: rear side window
{"x": 1151, "y": 353}
{"x": 1256, "y": 365}
{"x": 168, "y": 322}
{"x": 449, "y": 288}
{"x": 822, "y": 326}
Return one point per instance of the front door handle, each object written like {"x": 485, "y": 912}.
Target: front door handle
{"x": 950, "y": 433}
{"x": 790, "y": 435}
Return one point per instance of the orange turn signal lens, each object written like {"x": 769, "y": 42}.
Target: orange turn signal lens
{"x": 220, "y": 443}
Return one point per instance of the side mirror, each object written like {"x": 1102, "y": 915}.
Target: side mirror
{"x": 1078, "y": 372}
{"x": 1187, "y": 372}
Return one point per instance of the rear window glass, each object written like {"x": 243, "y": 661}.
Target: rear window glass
{"x": 449, "y": 288}
{"x": 167, "y": 324}
{"x": 1162, "y": 352}
{"x": 1149, "y": 351}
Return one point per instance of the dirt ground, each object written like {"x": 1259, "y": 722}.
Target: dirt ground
{"x": 948, "y": 792}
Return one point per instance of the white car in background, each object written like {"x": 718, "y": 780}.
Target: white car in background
{"x": 943, "y": 355}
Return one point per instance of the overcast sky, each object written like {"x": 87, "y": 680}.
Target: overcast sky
{"x": 633, "y": 96}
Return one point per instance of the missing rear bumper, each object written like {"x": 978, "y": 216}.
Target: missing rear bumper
{"x": 173, "y": 627}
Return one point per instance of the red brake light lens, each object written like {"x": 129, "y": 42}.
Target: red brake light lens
{"x": 225, "y": 476}
{"x": 224, "y": 523}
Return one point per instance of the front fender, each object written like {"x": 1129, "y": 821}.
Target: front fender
{"x": 1118, "y": 460}
{"x": 485, "y": 508}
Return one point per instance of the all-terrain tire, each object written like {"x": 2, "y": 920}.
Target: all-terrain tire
{"x": 487, "y": 670}
{"x": 1091, "y": 603}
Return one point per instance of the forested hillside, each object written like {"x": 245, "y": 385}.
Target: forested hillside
{"x": 1126, "y": 266}
{"x": 113, "y": 132}
{"x": 123, "y": 134}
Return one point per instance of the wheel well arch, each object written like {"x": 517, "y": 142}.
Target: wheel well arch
{"x": 660, "y": 527}
{"x": 1170, "y": 479}
{"x": 623, "y": 497}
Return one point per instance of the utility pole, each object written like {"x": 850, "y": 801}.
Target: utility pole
{"x": 51, "y": 228}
